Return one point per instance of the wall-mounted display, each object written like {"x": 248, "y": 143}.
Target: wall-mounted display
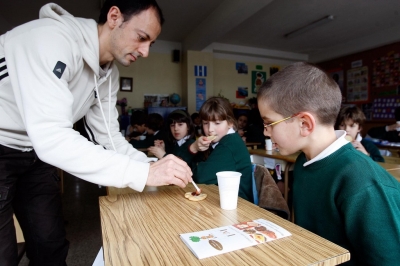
{"x": 357, "y": 84}
{"x": 125, "y": 84}
{"x": 257, "y": 79}
{"x": 384, "y": 108}
{"x": 386, "y": 75}
{"x": 200, "y": 92}
{"x": 241, "y": 68}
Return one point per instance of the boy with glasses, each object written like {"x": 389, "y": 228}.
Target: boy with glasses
{"x": 339, "y": 193}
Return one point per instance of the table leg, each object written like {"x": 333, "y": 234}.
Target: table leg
{"x": 286, "y": 180}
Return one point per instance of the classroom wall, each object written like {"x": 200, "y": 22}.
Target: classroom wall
{"x": 156, "y": 74}
{"x": 227, "y": 79}
{"x": 370, "y": 58}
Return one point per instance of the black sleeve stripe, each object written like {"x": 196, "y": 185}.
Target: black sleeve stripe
{"x": 3, "y": 76}
{"x": 3, "y": 68}
{"x": 89, "y": 131}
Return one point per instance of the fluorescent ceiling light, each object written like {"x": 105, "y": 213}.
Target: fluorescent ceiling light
{"x": 310, "y": 26}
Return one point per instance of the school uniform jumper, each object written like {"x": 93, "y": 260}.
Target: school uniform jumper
{"x": 373, "y": 151}
{"x": 352, "y": 201}
{"x": 181, "y": 151}
{"x": 230, "y": 154}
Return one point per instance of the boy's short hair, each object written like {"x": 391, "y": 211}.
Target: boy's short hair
{"x": 155, "y": 121}
{"x": 350, "y": 112}
{"x": 194, "y": 116}
{"x": 138, "y": 118}
{"x": 129, "y": 9}
{"x": 302, "y": 87}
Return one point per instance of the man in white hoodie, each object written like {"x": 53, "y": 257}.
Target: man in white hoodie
{"x": 53, "y": 72}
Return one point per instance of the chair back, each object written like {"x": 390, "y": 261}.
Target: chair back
{"x": 267, "y": 194}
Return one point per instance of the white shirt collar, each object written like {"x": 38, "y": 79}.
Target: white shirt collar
{"x": 182, "y": 140}
{"x": 230, "y": 131}
{"x": 337, "y": 144}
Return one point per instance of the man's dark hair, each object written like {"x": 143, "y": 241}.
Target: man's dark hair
{"x": 129, "y": 8}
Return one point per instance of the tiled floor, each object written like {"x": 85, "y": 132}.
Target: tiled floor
{"x": 82, "y": 216}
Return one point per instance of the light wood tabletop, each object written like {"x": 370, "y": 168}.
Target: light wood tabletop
{"x": 144, "y": 229}
{"x": 275, "y": 155}
{"x": 252, "y": 145}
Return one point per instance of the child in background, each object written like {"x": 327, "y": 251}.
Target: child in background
{"x": 180, "y": 137}
{"x": 351, "y": 119}
{"x": 390, "y": 132}
{"x": 338, "y": 192}
{"x": 154, "y": 131}
{"x": 242, "y": 121}
{"x": 226, "y": 151}
{"x": 197, "y": 124}
{"x": 137, "y": 126}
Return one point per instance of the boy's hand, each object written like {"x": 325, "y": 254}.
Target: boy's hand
{"x": 356, "y": 144}
{"x": 159, "y": 143}
{"x": 158, "y": 151}
{"x": 170, "y": 170}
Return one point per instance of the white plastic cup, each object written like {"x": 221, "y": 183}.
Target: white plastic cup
{"x": 142, "y": 137}
{"x": 268, "y": 144}
{"x": 228, "y": 185}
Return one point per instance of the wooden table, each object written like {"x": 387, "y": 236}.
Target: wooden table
{"x": 288, "y": 160}
{"x": 252, "y": 145}
{"x": 393, "y": 169}
{"x": 285, "y": 160}
{"x": 144, "y": 228}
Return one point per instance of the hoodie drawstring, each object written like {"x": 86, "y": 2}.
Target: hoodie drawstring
{"x": 109, "y": 110}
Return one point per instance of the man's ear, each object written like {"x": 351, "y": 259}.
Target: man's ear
{"x": 114, "y": 17}
{"x": 307, "y": 123}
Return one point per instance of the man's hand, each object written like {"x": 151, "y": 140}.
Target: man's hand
{"x": 169, "y": 170}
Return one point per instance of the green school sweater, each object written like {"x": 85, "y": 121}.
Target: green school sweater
{"x": 373, "y": 151}
{"x": 181, "y": 151}
{"x": 352, "y": 201}
{"x": 230, "y": 154}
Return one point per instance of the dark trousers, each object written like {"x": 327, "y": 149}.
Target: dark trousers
{"x": 30, "y": 189}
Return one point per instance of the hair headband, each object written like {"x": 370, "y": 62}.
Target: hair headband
{"x": 180, "y": 112}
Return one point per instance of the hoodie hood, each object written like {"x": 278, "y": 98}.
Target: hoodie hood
{"x": 81, "y": 29}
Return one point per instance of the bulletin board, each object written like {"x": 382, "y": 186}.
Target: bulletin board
{"x": 386, "y": 75}
{"x": 357, "y": 84}
{"x": 384, "y": 108}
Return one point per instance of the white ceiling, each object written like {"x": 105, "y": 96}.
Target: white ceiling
{"x": 358, "y": 25}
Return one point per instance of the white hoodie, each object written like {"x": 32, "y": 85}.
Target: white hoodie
{"x": 48, "y": 69}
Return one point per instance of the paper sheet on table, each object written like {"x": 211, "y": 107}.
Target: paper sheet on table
{"x": 225, "y": 239}
{"x": 269, "y": 163}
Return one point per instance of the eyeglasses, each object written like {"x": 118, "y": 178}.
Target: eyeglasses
{"x": 266, "y": 126}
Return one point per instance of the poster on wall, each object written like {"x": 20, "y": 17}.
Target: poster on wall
{"x": 156, "y": 100}
{"x": 273, "y": 70}
{"x": 242, "y": 92}
{"x": 384, "y": 108}
{"x": 257, "y": 79}
{"x": 338, "y": 76}
{"x": 357, "y": 84}
{"x": 241, "y": 68}
{"x": 200, "y": 92}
